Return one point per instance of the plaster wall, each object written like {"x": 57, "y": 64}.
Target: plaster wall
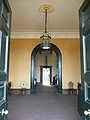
{"x": 20, "y": 60}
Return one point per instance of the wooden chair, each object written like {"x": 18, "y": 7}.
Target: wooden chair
{"x": 70, "y": 88}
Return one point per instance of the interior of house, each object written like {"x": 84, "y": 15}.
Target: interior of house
{"x": 44, "y": 64}
{"x": 25, "y": 36}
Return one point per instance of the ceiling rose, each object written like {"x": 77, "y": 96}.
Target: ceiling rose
{"x": 47, "y": 6}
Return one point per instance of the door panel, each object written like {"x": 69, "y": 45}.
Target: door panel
{"x": 87, "y": 14}
{"x": 2, "y": 99}
{"x": 85, "y": 57}
{"x": 2, "y": 50}
{"x": 87, "y": 99}
{"x": 5, "y": 18}
{"x": 88, "y": 52}
{"x": 2, "y": 92}
{"x": 5, "y": 13}
{"x": 87, "y": 91}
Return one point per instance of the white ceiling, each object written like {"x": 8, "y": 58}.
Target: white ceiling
{"x": 26, "y": 16}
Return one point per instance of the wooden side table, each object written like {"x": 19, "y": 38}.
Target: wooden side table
{"x": 23, "y": 91}
{"x": 70, "y": 91}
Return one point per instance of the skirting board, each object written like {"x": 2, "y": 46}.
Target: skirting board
{"x": 18, "y": 91}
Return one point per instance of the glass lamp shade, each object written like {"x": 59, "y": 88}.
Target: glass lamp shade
{"x": 45, "y": 40}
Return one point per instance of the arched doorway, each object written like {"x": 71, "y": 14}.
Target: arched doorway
{"x": 59, "y": 62}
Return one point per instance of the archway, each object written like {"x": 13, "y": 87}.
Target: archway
{"x": 59, "y": 61}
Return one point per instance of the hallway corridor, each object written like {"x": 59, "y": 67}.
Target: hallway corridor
{"x": 43, "y": 106}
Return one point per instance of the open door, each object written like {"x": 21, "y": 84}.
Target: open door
{"x": 85, "y": 57}
{"x": 5, "y": 18}
{"x": 46, "y": 73}
{"x": 46, "y": 77}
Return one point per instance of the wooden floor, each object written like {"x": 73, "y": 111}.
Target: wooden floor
{"x": 43, "y": 106}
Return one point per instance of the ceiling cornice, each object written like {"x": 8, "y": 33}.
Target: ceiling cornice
{"x": 15, "y": 35}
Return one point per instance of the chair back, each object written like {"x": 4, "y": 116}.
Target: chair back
{"x": 70, "y": 85}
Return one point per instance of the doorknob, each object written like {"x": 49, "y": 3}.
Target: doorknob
{"x": 4, "y": 112}
{"x": 86, "y": 113}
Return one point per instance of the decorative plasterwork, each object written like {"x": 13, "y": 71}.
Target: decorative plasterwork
{"x": 47, "y": 6}
{"x": 15, "y": 35}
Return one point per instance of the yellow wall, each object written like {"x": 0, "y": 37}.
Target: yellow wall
{"x": 20, "y": 60}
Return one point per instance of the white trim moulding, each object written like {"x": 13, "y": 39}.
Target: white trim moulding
{"x": 15, "y": 35}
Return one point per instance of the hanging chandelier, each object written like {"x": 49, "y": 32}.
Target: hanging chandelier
{"x": 46, "y": 36}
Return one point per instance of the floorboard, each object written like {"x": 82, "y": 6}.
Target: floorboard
{"x": 43, "y": 106}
